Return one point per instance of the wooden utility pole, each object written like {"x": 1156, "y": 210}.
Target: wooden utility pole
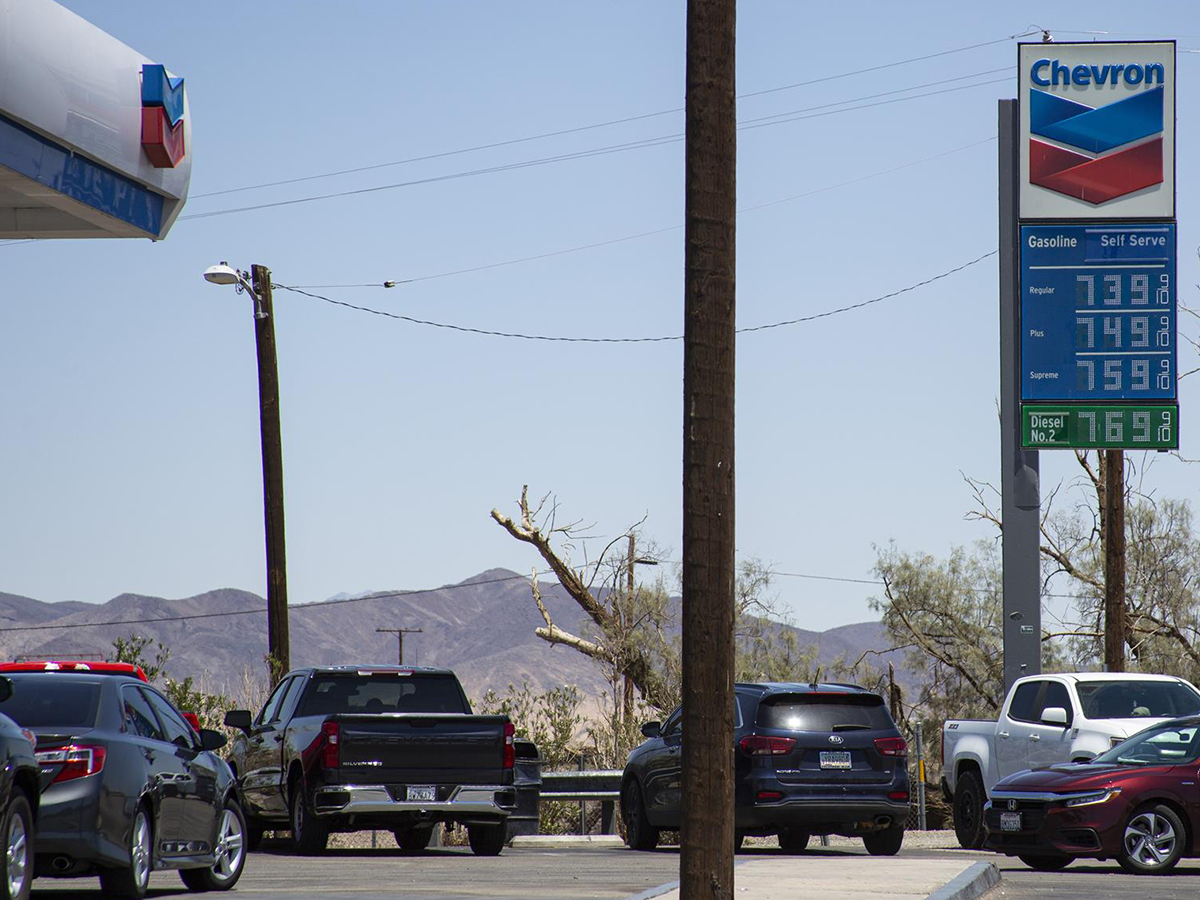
{"x": 1114, "y": 560}
{"x": 278, "y": 646}
{"x": 627, "y": 694}
{"x": 707, "y": 832}
{"x": 399, "y": 633}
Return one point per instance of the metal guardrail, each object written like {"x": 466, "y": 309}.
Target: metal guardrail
{"x": 602, "y": 785}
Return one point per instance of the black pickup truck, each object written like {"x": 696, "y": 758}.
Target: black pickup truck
{"x": 345, "y": 748}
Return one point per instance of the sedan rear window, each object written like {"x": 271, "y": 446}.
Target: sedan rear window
{"x": 383, "y": 692}
{"x": 1137, "y": 699}
{"x": 825, "y": 712}
{"x": 52, "y": 701}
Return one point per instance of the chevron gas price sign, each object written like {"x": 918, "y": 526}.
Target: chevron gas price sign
{"x": 1098, "y": 281}
{"x": 1097, "y": 130}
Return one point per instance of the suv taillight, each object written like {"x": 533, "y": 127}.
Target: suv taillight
{"x": 892, "y": 746}
{"x": 765, "y": 745}
{"x": 77, "y": 760}
{"x": 510, "y": 751}
{"x": 331, "y": 748}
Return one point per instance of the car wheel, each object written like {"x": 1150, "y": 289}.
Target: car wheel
{"x": 968, "y": 811}
{"x": 487, "y": 840}
{"x": 131, "y": 880}
{"x": 18, "y": 848}
{"x": 793, "y": 840}
{"x": 639, "y": 833}
{"x": 230, "y": 855}
{"x": 413, "y": 840}
{"x": 1046, "y": 863}
{"x": 1153, "y": 840}
{"x": 309, "y": 834}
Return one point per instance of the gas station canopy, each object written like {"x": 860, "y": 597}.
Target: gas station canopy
{"x": 95, "y": 139}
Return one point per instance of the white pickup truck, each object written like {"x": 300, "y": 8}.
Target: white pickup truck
{"x": 1048, "y": 719}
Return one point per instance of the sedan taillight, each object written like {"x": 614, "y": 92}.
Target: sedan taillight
{"x": 891, "y": 746}
{"x": 77, "y": 760}
{"x": 765, "y": 745}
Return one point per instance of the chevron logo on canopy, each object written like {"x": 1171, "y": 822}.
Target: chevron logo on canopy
{"x": 1121, "y": 127}
{"x": 162, "y": 117}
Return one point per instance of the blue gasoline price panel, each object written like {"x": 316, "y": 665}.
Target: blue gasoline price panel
{"x": 1098, "y": 313}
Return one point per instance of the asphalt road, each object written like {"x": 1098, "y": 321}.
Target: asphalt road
{"x": 586, "y": 873}
{"x": 443, "y": 874}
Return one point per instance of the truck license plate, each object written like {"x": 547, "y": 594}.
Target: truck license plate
{"x": 1010, "y": 821}
{"x": 421, "y": 792}
{"x": 835, "y": 759}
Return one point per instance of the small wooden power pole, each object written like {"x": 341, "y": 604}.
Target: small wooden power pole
{"x": 278, "y": 644}
{"x": 399, "y": 633}
{"x": 1114, "y": 560}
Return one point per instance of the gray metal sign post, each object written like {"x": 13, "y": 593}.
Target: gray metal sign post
{"x": 1020, "y": 493}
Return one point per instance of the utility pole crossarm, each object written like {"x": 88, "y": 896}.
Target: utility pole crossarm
{"x": 399, "y": 633}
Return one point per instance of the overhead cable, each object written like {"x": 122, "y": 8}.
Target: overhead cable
{"x": 591, "y": 127}
{"x": 628, "y": 340}
{"x": 659, "y": 141}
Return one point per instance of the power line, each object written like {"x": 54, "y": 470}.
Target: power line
{"x": 659, "y": 141}
{"x": 630, "y": 340}
{"x": 390, "y": 283}
{"x": 595, "y": 125}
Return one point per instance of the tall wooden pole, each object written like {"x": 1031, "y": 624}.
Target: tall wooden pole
{"x": 278, "y": 647}
{"x": 707, "y": 833}
{"x": 1114, "y": 560}
{"x": 627, "y": 692}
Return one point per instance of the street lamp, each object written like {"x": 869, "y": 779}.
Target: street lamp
{"x": 259, "y": 287}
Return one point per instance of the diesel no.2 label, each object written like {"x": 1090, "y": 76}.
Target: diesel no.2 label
{"x": 1098, "y": 313}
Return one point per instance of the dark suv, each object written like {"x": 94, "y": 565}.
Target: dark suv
{"x": 810, "y": 759}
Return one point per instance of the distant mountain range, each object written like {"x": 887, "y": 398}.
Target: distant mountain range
{"x": 482, "y": 627}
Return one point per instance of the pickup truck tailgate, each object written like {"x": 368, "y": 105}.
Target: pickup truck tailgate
{"x": 406, "y": 748}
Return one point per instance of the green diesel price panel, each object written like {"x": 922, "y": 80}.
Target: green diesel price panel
{"x": 1100, "y": 426}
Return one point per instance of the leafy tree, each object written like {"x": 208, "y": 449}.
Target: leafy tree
{"x": 184, "y": 695}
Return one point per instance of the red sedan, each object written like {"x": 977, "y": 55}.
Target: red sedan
{"x": 1139, "y": 803}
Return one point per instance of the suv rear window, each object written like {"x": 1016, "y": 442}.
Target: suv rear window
{"x": 52, "y": 701}
{"x": 383, "y": 692}
{"x": 825, "y": 712}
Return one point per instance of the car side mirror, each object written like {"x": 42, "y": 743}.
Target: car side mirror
{"x": 652, "y": 729}
{"x": 238, "y": 718}
{"x": 6, "y": 688}
{"x": 1054, "y": 715}
{"x": 211, "y": 740}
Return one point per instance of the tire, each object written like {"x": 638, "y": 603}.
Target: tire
{"x": 230, "y": 854}
{"x": 130, "y": 881}
{"x": 968, "y": 811}
{"x": 884, "y": 843}
{"x": 17, "y": 833}
{"x": 1153, "y": 840}
{"x": 793, "y": 840}
{"x": 1046, "y": 863}
{"x": 639, "y": 833}
{"x": 413, "y": 840}
{"x": 487, "y": 840}
{"x": 309, "y": 834}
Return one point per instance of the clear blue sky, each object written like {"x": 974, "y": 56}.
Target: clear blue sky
{"x": 130, "y": 451}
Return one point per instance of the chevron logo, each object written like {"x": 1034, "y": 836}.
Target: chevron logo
{"x": 1114, "y": 159}
{"x": 162, "y": 117}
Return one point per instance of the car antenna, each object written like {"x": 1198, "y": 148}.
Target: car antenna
{"x": 816, "y": 679}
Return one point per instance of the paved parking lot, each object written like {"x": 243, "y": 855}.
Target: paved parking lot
{"x": 602, "y": 873}
{"x": 446, "y": 874}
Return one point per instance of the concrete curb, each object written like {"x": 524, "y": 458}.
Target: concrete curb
{"x": 974, "y": 882}
{"x": 555, "y": 841}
